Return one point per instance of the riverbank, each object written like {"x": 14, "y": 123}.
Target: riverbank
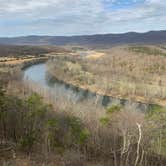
{"x": 24, "y": 62}
{"x": 99, "y": 98}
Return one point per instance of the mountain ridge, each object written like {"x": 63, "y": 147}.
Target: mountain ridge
{"x": 151, "y": 37}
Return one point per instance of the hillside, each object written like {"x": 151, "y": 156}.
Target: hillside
{"x": 152, "y": 37}
{"x": 17, "y": 51}
{"x": 120, "y": 72}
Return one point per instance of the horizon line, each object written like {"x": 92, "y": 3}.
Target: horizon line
{"x": 32, "y": 35}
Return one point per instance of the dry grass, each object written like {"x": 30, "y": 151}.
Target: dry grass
{"x": 94, "y": 55}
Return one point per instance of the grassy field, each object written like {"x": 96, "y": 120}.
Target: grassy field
{"x": 134, "y": 72}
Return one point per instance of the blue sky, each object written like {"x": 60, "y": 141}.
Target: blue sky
{"x": 80, "y": 17}
{"x": 121, "y": 4}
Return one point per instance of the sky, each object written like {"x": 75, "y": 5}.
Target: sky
{"x": 80, "y": 17}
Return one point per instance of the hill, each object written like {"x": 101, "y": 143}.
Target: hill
{"x": 24, "y": 50}
{"x": 152, "y": 37}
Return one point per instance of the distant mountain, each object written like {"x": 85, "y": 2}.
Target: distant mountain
{"x": 152, "y": 37}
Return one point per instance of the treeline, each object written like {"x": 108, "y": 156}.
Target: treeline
{"x": 30, "y": 125}
{"x": 118, "y": 73}
{"x": 19, "y": 51}
{"x": 148, "y": 50}
{"x": 8, "y": 74}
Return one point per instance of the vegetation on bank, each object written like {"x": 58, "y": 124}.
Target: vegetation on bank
{"x": 68, "y": 68}
{"x": 148, "y": 50}
{"x": 20, "y": 56}
{"x": 22, "y": 51}
{"x": 118, "y": 73}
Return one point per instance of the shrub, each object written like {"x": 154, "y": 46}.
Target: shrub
{"x": 113, "y": 108}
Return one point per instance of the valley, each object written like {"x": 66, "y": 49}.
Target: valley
{"x": 84, "y": 105}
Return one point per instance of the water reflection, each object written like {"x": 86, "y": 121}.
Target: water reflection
{"x": 38, "y": 74}
{"x": 59, "y": 90}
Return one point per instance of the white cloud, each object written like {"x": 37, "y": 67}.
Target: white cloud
{"x": 62, "y": 17}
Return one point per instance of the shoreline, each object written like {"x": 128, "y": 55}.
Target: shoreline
{"x": 107, "y": 98}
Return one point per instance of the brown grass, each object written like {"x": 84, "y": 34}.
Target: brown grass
{"x": 94, "y": 55}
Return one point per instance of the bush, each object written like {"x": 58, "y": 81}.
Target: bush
{"x": 113, "y": 108}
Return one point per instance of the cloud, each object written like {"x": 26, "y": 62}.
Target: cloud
{"x": 68, "y": 17}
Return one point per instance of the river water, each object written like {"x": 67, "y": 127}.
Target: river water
{"x": 38, "y": 75}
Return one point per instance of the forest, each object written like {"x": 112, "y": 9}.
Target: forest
{"x": 37, "y": 130}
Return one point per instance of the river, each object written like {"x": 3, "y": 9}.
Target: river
{"x": 38, "y": 74}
